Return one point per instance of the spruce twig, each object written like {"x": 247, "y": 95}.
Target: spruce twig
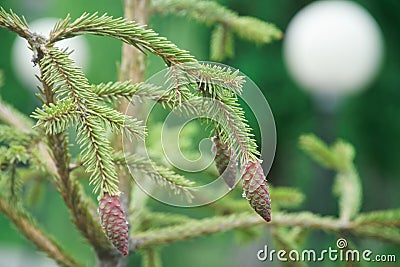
{"x": 151, "y": 258}
{"x": 339, "y": 158}
{"x": 389, "y": 218}
{"x": 227, "y": 22}
{"x": 27, "y": 226}
{"x": 70, "y": 189}
{"x": 129, "y": 32}
{"x": 127, "y": 89}
{"x": 21, "y": 122}
{"x": 213, "y": 225}
{"x": 14, "y": 23}
{"x": 151, "y": 219}
{"x": 161, "y": 175}
{"x": 305, "y": 220}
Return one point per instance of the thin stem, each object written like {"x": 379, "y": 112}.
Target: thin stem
{"x": 304, "y": 220}
{"x": 151, "y": 258}
{"x": 133, "y": 63}
{"x": 133, "y": 66}
{"x": 203, "y": 227}
{"x": 28, "y": 228}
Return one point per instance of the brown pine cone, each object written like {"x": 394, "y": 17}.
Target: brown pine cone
{"x": 224, "y": 161}
{"x": 256, "y": 189}
{"x": 113, "y": 221}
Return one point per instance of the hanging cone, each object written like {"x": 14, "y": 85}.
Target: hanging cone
{"x": 255, "y": 189}
{"x": 114, "y": 223}
{"x": 224, "y": 161}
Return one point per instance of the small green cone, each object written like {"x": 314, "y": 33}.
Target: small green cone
{"x": 224, "y": 161}
{"x": 113, "y": 222}
{"x": 255, "y": 189}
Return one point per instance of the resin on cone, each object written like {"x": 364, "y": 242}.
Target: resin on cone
{"x": 225, "y": 162}
{"x": 255, "y": 189}
{"x": 114, "y": 223}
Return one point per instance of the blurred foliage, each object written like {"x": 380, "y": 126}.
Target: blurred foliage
{"x": 368, "y": 120}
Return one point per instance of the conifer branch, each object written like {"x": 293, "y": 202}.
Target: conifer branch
{"x": 129, "y": 32}
{"x": 207, "y": 12}
{"x": 14, "y": 23}
{"x": 19, "y": 149}
{"x": 13, "y": 135}
{"x": 69, "y": 81}
{"x": 151, "y": 258}
{"x": 70, "y": 189}
{"x": 118, "y": 122}
{"x": 390, "y": 218}
{"x": 255, "y": 30}
{"x": 227, "y": 22}
{"x": 65, "y": 78}
{"x": 317, "y": 150}
{"x": 20, "y": 121}
{"x": 219, "y": 102}
{"x": 29, "y": 228}
{"x": 219, "y": 81}
{"x": 160, "y": 174}
{"x": 96, "y": 156}
{"x": 348, "y": 189}
{"x": 347, "y": 184}
{"x": 221, "y": 45}
{"x": 232, "y": 127}
{"x": 339, "y": 158}
{"x": 74, "y": 197}
{"x": 12, "y": 155}
{"x": 151, "y": 219}
{"x": 306, "y": 220}
{"x": 287, "y": 197}
{"x": 23, "y": 123}
{"x": 55, "y": 118}
{"x": 213, "y": 225}
{"x": 115, "y": 91}
{"x": 228, "y": 117}
{"x": 214, "y": 80}
{"x": 384, "y": 233}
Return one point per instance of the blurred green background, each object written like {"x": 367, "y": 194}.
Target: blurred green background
{"x": 370, "y": 120}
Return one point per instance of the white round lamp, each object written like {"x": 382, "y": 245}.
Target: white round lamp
{"x": 333, "y": 48}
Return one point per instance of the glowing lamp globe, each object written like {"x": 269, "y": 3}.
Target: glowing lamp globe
{"x": 333, "y": 48}
{"x": 21, "y": 55}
